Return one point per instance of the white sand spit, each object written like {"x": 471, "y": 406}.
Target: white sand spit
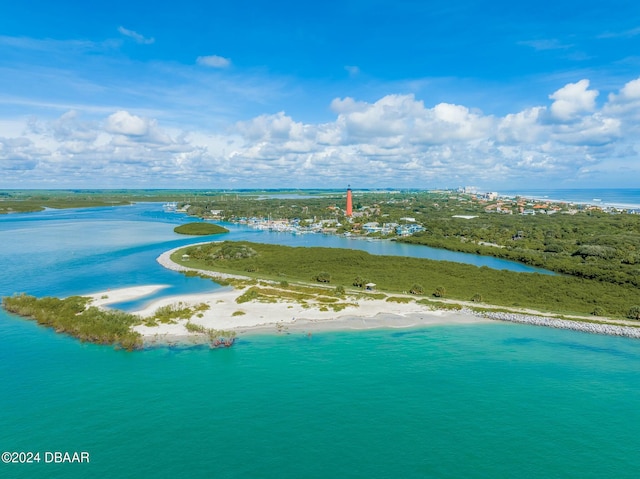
{"x": 112, "y": 296}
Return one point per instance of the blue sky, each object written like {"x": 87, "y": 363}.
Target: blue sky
{"x": 415, "y": 94}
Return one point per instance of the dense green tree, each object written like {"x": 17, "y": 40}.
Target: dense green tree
{"x": 359, "y": 282}
{"x": 634, "y": 312}
{"x": 440, "y": 292}
{"x": 323, "y": 277}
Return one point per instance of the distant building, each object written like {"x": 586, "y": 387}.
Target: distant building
{"x": 408, "y": 230}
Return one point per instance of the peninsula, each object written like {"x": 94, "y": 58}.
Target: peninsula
{"x": 257, "y": 303}
{"x": 271, "y": 289}
{"x": 252, "y": 305}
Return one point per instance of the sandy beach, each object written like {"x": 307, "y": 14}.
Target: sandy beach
{"x": 223, "y": 312}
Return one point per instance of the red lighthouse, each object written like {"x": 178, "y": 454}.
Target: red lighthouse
{"x": 349, "y": 202}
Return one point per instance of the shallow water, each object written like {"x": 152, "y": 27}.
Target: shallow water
{"x": 492, "y": 400}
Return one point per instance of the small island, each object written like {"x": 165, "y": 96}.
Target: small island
{"x": 200, "y": 229}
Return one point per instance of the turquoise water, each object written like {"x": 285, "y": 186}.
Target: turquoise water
{"x": 488, "y": 400}
{"x": 495, "y": 400}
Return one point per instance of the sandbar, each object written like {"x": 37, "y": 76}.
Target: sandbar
{"x": 121, "y": 295}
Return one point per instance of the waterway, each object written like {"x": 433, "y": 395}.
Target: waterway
{"x": 62, "y": 252}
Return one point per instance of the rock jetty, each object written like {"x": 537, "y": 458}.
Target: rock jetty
{"x": 595, "y": 328}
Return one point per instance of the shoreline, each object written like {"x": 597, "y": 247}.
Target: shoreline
{"x": 255, "y": 317}
{"x": 222, "y": 312}
{"x": 547, "y": 195}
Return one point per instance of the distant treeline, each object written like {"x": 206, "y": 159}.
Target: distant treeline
{"x": 26, "y": 201}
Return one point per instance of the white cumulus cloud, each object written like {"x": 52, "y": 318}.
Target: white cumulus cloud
{"x": 124, "y": 123}
{"x": 573, "y": 99}
{"x": 214, "y": 61}
{"x": 626, "y": 103}
{"x": 396, "y": 140}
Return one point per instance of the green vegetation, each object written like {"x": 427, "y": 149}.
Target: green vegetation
{"x": 323, "y": 277}
{"x": 588, "y": 244}
{"x": 399, "y": 299}
{"x": 25, "y": 201}
{"x": 359, "y": 282}
{"x": 73, "y": 316}
{"x": 440, "y": 292}
{"x": 201, "y": 229}
{"x": 229, "y": 251}
{"x": 249, "y": 295}
{"x": 634, "y": 313}
{"x": 171, "y": 312}
{"x": 571, "y": 239}
{"x": 449, "y": 306}
{"x": 19, "y": 203}
{"x": 217, "y": 337}
{"x": 559, "y": 294}
{"x": 303, "y": 295}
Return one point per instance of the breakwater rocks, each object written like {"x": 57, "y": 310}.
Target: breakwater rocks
{"x": 595, "y": 328}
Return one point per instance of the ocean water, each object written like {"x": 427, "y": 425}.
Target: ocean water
{"x": 487, "y": 400}
{"x": 496, "y": 400}
{"x": 624, "y": 197}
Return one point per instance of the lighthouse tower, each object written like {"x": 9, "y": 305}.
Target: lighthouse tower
{"x": 349, "y": 202}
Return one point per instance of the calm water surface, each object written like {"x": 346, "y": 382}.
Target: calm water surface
{"x": 489, "y": 400}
